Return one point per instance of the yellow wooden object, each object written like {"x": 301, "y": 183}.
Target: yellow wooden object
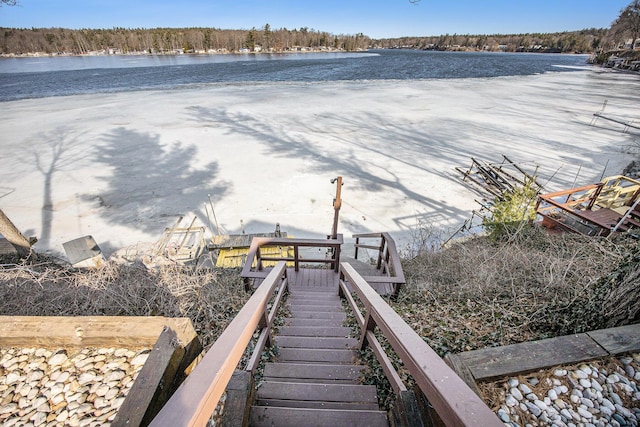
{"x": 236, "y": 257}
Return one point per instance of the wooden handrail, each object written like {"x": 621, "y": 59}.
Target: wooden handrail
{"x": 253, "y": 255}
{"x": 197, "y": 397}
{"x": 388, "y": 258}
{"x": 455, "y": 403}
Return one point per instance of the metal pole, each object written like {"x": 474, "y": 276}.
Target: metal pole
{"x": 624, "y": 218}
{"x": 213, "y": 212}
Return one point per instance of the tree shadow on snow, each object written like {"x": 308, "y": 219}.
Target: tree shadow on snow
{"x": 150, "y": 184}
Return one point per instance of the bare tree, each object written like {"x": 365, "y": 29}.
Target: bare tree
{"x": 9, "y": 2}
{"x": 628, "y": 23}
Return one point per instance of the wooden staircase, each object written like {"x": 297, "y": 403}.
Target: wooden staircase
{"x": 315, "y": 379}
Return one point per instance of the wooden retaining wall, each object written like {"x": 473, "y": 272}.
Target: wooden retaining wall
{"x": 496, "y": 362}
{"x": 173, "y": 342}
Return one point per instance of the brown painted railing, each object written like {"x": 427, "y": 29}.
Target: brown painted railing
{"x": 388, "y": 261}
{"x": 452, "y": 399}
{"x": 195, "y": 400}
{"x": 254, "y": 266}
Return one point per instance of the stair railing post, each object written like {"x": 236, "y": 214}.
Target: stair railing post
{"x": 369, "y": 325}
{"x": 380, "y": 252}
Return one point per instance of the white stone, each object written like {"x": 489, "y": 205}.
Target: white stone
{"x": 587, "y": 402}
{"x": 534, "y": 409}
{"x": 607, "y": 404}
{"x": 580, "y": 374}
{"x": 524, "y": 388}
{"x": 559, "y": 403}
{"x": 140, "y": 359}
{"x": 58, "y": 359}
{"x": 504, "y": 416}
{"x": 606, "y": 411}
{"x": 515, "y": 392}
{"x": 586, "y": 369}
{"x": 584, "y": 413}
{"x": 540, "y": 404}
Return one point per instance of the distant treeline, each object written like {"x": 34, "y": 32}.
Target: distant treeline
{"x": 168, "y": 40}
{"x": 265, "y": 39}
{"x": 584, "y": 41}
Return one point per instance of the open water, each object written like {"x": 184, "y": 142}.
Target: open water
{"x": 37, "y": 77}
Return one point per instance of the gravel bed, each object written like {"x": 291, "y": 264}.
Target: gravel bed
{"x": 597, "y": 393}
{"x": 85, "y": 387}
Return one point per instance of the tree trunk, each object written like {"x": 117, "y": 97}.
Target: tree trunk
{"x": 13, "y": 236}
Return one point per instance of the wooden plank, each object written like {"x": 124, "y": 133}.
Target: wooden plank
{"x": 623, "y": 339}
{"x": 317, "y": 405}
{"x": 7, "y": 248}
{"x": 196, "y": 399}
{"x": 315, "y": 331}
{"x": 153, "y": 385}
{"x": 443, "y": 388}
{"x": 307, "y": 278}
{"x": 317, "y": 392}
{"x": 239, "y": 397}
{"x": 295, "y": 321}
{"x": 90, "y": 331}
{"x": 317, "y": 355}
{"x": 316, "y": 307}
{"x": 318, "y": 315}
{"x": 302, "y": 371}
{"x": 529, "y": 356}
{"x": 288, "y": 417}
{"x": 314, "y": 342}
{"x": 314, "y": 300}
{"x": 462, "y": 370}
{"x": 394, "y": 379}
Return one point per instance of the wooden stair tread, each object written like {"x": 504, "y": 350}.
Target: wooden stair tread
{"x": 315, "y": 331}
{"x": 276, "y": 416}
{"x": 315, "y": 342}
{"x": 317, "y": 355}
{"x": 316, "y": 307}
{"x": 316, "y": 296}
{"x": 304, "y": 371}
{"x": 315, "y": 381}
{"x": 318, "y": 314}
{"x": 318, "y": 404}
{"x": 317, "y": 392}
{"x": 297, "y": 321}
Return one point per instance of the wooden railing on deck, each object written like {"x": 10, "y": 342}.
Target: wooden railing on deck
{"x": 195, "y": 400}
{"x": 388, "y": 261}
{"x": 454, "y": 402}
{"x": 254, "y": 266}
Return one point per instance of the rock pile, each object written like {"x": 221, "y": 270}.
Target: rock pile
{"x": 41, "y": 387}
{"x": 632, "y": 170}
{"x": 599, "y": 393}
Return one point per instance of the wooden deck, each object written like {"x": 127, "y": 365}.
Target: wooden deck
{"x": 327, "y": 280}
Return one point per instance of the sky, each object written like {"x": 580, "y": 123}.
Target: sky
{"x": 374, "y": 18}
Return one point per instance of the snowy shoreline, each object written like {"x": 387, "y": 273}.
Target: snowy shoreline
{"x": 123, "y": 166}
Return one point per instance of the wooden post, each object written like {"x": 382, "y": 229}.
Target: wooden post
{"x": 14, "y": 236}
{"x": 337, "y": 203}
